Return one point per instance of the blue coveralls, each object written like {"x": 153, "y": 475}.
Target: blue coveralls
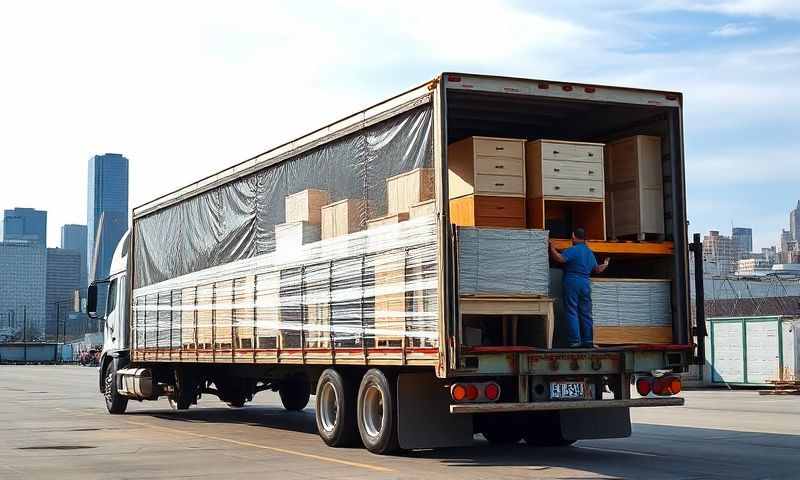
{"x": 580, "y": 263}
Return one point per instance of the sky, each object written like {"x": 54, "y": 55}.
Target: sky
{"x": 187, "y": 88}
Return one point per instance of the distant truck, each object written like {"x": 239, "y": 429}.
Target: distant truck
{"x": 336, "y": 265}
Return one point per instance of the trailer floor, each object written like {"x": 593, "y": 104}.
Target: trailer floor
{"x": 53, "y": 425}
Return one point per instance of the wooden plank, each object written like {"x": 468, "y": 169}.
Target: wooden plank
{"x": 621, "y": 248}
{"x": 632, "y": 335}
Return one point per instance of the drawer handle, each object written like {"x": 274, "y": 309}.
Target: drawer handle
{"x": 556, "y": 169}
{"x": 555, "y": 152}
{"x": 498, "y": 166}
{"x": 591, "y": 154}
{"x": 556, "y": 187}
{"x": 500, "y": 207}
{"x": 499, "y": 184}
{"x": 499, "y": 148}
{"x": 591, "y": 172}
{"x": 591, "y": 189}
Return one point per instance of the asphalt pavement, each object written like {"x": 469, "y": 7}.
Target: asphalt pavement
{"x": 53, "y": 425}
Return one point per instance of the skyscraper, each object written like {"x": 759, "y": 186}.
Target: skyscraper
{"x": 108, "y": 199}
{"x": 22, "y": 287}
{"x": 794, "y": 222}
{"x": 25, "y": 225}
{"x": 719, "y": 253}
{"x": 742, "y": 241}
{"x": 63, "y": 278}
{"x": 73, "y": 237}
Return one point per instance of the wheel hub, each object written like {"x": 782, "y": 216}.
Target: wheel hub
{"x": 329, "y": 407}
{"x": 373, "y": 411}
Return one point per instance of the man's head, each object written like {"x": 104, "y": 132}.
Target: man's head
{"x": 578, "y": 235}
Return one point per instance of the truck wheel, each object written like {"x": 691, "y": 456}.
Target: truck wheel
{"x": 377, "y": 412}
{"x": 544, "y": 430}
{"x": 115, "y": 403}
{"x": 184, "y": 393}
{"x": 295, "y": 392}
{"x": 233, "y": 392}
{"x": 336, "y": 409}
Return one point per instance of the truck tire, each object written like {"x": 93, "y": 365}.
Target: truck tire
{"x": 185, "y": 392}
{"x": 544, "y": 430}
{"x": 295, "y": 392}
{"x": 336, "y": 409}
{"x": 377, "y": 412}
{"x": 116, "y": 404}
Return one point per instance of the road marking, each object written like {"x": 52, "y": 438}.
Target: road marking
{"x": 265, "y": 447}
{"x": 627, "y": 452}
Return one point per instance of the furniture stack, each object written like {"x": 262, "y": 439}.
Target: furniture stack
{"x": 342, "y": 217}
{"x": 303, "y": 219}
{"x": 486, "y": 178}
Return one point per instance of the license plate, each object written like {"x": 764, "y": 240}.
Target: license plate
{"x": 567, "y": 391}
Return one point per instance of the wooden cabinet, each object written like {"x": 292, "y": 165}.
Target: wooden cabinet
{"x": 635, "y": 187}
{"x": 486, "y": 166}
{"x": 487, "y": 182}
{"x": 305, "y": 206}
{"x": 565, "y": 187}
{"x": 341, "y": 218}
{"x": 387, "y": 220}
{"x": 422, "y": 209}
{"x": 409, "y": 188}
{"x": 488, "y": 211}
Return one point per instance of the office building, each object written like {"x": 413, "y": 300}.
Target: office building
{"x": 719, "y": 254}
{"x": 107, "y": 202}
{"x": 63, "y": 278}
{"x": 25, "y": 225}
{"x": 73, "y": 237}
{"x": 783, "y": 246}
{"x": 22, "y": 287}
{"x": 742, "y": 240}
{"x": 794, "y": 222}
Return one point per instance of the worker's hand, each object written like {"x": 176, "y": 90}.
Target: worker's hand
{"x": 607, "y": 261}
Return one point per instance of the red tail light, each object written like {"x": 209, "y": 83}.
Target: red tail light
{"x": 458, "y": 392}
{"x": 643, "y": 386}
{"x": 667, "y": 386}
{"x": 492, "y": 391}
{"x": 472, "y": 392}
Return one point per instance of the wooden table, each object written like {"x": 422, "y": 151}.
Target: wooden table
{"x": 512, "y": 306}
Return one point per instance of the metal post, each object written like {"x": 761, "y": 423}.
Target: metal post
{"x": 696, "y": 247}
{"x": 25, "y": 333}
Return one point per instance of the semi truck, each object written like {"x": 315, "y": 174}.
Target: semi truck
{"x": 345, "y": 265}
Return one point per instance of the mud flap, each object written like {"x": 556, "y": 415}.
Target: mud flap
{"x": 423, "y": 414}
{"x": 595, "y": 423}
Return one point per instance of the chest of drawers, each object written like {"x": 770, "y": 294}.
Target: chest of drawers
{"x": 565, "y": 187}
{"x": 486, "y": 180}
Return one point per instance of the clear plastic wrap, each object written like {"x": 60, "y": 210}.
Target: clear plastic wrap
{"x": 374, "y": 288}
{"x": 631, "y": 302}
{"x": 503, "y": 261}
{"x": 209, "y": 275}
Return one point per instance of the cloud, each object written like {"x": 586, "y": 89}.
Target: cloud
{"x": 735, "y": 30}
{"x": 789, "y": 9}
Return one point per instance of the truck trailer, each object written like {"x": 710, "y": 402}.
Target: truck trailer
{"x": 394, "y": 264}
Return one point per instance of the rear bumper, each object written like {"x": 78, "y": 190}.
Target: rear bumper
{"x": 563, "y": 405}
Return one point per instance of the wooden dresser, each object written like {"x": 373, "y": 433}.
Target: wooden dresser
{"x": 635, "y": 188}
{"x": 565, "y": 187}
{"x": 487, "y": 182}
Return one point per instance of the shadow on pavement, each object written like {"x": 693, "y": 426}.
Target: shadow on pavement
{"x": 654, "y": 451}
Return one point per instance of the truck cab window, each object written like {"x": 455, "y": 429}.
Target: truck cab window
{"x": 111, "y": 302}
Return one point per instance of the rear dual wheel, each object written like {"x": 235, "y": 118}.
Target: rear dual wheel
{"x": 377, "y": 412}
{"x": 336, "y": 409}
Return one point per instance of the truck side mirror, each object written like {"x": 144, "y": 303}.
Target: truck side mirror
{"x": 91, "y": 301}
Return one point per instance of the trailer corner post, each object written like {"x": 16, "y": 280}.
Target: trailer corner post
{"x": 700, "y": 332}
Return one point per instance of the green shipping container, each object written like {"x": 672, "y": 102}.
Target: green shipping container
{"x": 753, "y": 350}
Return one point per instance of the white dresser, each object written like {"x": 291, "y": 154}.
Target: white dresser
{"x": 566, "y": 184}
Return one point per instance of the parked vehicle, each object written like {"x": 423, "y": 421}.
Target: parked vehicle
{"x": 331, "y": 265}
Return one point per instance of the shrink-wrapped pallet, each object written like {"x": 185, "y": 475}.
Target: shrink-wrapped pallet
{"x": 494, "y": 260}
{"x": 620, "y": 302}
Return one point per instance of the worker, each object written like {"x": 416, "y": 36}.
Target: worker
{"x": 579, "y": 262}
